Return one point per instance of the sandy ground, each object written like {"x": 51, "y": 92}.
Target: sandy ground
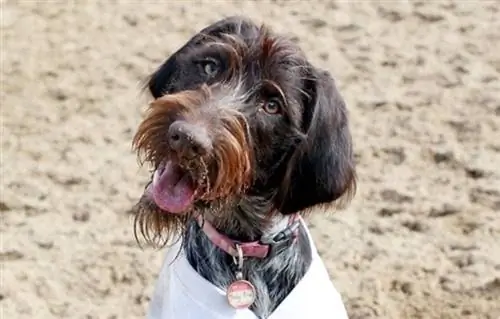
{"x": 421, "y": 238}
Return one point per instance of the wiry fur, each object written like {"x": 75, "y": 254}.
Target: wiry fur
{"x": 273, "y": 278}
{"x": 263, "y": 167}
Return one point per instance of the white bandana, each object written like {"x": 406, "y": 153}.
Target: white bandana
{"x": 181, "y": 293}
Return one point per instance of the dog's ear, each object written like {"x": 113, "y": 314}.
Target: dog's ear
{"x": 162, "y": 80}
{"x": 169, "y": 77}
{"x": 322, "y": 170}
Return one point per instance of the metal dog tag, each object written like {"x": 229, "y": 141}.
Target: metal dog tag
{"x": 241, "y": 293}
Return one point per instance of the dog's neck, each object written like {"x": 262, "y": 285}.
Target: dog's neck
{"x": 274, "y": 224}
{"x": 274, "y": 276}
{"x": 250, "y": 219}
{"x": 274, "y": 240}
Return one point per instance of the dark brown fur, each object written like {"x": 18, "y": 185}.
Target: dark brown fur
{"x": 261, "y": 165}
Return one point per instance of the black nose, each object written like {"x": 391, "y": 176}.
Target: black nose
{"x": 189, "y": 140}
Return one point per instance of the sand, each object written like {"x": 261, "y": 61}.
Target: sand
{"x": 421, "y": 239}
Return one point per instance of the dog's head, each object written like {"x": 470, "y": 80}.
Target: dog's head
{"x": 240, "y": 112}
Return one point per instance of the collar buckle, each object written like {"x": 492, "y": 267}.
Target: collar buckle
{"x": 282, "y": 240}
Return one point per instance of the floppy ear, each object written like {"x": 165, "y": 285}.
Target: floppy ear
{"x": 169, "y": 77}
{"x": 322, "y": 169}
{"x": 162, "y": 81}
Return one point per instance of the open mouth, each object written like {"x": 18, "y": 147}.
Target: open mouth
{"x": 173, "y": 189}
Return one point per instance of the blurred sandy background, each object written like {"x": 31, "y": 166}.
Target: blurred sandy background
{"x": 422, "y": 78}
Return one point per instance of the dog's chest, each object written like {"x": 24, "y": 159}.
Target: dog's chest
{"x": 181, "y": 293}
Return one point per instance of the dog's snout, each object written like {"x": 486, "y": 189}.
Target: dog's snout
{"x": 189, "y": 140}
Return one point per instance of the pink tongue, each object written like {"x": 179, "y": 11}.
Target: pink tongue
{"x": 172, "y": 189}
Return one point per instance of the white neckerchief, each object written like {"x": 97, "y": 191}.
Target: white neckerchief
{"x": 181, "y": 293}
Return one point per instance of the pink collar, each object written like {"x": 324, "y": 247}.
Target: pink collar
{"x": 261, "y": 248}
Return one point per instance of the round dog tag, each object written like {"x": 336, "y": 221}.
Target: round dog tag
{"x": 241, "y": 294}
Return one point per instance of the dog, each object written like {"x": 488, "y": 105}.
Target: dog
{"x": 245, "y": 137}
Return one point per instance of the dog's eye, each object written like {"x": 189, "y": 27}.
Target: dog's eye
{"x": 210, "y": 67}
{"x": 272, "y": 106}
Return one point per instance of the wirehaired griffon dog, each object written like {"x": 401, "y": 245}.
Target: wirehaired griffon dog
{"x": 244, "y": 135}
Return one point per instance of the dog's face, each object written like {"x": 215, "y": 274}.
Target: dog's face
{"x": 240, "y": 112}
